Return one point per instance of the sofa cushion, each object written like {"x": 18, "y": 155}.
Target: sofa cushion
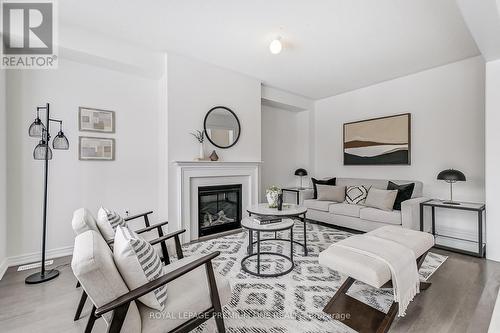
{"x": 318, "y": 205}
{"x": 405, "y": 192}
{"x": 315, "y": 181}
{"x": 378, "y": 215}
{"x": 377, "y": 183}
{"x": 188, "y": 295}
{"x": 381, "y": 199}
{"x": 345, "y": 209}
{"x": 331, "y": 193}
{"x": 93, "y": 266}
{"x": 356, "y": 194}
{"x": 380, "y": 183}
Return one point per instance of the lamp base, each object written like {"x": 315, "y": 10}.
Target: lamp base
{"x": 39, "y": 278}
{"x": 451, "y": 203}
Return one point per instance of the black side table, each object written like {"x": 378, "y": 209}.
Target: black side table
{"x": 480, "y": 208}
{"x": 296, "y": 190}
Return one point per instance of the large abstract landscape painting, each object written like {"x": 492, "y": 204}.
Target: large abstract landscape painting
{"x": 379, "y": 141}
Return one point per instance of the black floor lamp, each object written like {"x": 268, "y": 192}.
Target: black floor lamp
{"x": 42, "y": 151}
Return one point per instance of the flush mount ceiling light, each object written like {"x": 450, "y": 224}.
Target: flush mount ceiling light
{"x": 275, "y": 47}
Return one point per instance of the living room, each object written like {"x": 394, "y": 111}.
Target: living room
{"x": 354, "y": 126}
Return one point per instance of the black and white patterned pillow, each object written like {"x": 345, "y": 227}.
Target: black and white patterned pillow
{"x": 356, "y": 195}
{"x": 139, "y": 264}
{"x": 107, "y": 221}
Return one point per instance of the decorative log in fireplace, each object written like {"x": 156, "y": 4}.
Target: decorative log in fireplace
{"x": 219, "y": 209}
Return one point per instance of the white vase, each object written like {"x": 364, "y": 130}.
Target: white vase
{"x": 202, "y": 152}
{"x": 272, "y": 199}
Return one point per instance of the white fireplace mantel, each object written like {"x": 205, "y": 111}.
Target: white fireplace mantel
{"x": 193, "y": 174}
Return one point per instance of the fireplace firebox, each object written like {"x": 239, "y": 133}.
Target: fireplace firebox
{"x": 219, "y": 209}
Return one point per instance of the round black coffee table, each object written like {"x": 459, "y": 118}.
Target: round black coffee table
{"x": 252, "y": 226}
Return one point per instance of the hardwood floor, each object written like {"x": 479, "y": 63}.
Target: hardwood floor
{"x": 461, "y": 299}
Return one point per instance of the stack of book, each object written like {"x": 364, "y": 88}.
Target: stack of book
{"x": 267, "y": 219}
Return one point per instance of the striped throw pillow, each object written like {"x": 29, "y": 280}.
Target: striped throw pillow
{"x": 139, "y": 264}
{"x": 107, "y": 222}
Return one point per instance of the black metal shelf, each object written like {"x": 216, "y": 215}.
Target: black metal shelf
{"x": 466, "y": 206}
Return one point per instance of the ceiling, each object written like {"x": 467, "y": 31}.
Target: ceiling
{"x": 330, "y": 46}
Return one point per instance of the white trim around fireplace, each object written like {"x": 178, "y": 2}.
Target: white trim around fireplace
{"x": 192, "y": 174}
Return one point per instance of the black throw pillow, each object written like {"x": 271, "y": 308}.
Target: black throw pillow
{"x": 315, "y": 181}
{"x": 404, "y": 193}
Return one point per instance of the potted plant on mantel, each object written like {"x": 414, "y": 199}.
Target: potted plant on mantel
{"x": 200, "y": 137}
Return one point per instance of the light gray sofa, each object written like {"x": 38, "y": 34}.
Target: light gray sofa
{"x": 364, "y": 218}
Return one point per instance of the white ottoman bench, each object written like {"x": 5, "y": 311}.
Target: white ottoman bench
{"x": 374, "y": 272}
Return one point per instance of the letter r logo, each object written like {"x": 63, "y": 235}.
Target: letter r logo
{"x": 27, "y": 27}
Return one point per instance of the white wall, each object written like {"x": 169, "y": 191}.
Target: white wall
{"x": 129, "y": 182}
{"x": 493, "y": 158}
{"x": 285, "y": 146}
{"x": 193, "y": 89}
{"x": 483, "y": 20}
{"x": 447, "y": 107}
{"x": 3, "y": 175}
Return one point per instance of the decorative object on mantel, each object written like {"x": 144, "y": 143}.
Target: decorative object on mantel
{"x": 200, "y": 137}
{"x": 378, "y": 141}
{"x": 96, "y": 120}
{"x": 451, "y": 176}
{"x": 222, "y": 127}
{"x": 272, "y": 196}
{"x": 42, "y": 151}
{"x": 301, "y": 173}
{"x": 214, "y": 157}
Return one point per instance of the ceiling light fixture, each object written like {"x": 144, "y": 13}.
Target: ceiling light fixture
{"x": 275, "y": 47}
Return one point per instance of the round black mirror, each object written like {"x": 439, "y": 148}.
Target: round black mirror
{"x": 222, "y": 127}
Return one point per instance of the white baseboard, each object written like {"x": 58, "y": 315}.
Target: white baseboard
{"x": 3, "y": 267}
{"x": 37, "y": 256}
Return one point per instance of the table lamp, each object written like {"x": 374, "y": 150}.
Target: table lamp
{"x": 451, "y": 176}
{"x": 301, "y": 173}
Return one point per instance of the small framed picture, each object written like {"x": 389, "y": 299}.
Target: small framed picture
{"x": 95, "y": 120}
{"x": 96, "y": 149}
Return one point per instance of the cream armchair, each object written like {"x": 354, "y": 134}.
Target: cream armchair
{"x": 195, "y": 292}
{"x": 84, "y": 221}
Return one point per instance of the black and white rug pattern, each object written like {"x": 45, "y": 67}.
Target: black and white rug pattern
{"x": 293, "y": 302}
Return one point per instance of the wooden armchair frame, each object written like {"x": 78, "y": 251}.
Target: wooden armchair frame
{"x": 162, "y": 239}
{"x": 121, "y": 304}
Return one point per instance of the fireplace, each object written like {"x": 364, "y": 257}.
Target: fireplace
{"x": 219, "y": 209}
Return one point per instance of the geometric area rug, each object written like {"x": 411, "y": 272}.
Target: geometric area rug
{"x": 292, "y": 303}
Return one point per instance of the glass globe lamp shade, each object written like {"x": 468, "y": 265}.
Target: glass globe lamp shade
{"x": 41, "y": 150}
{"x": 60, "y": 141}
{"x": 36, "y": 128}
{"x": 275, "y": 47}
